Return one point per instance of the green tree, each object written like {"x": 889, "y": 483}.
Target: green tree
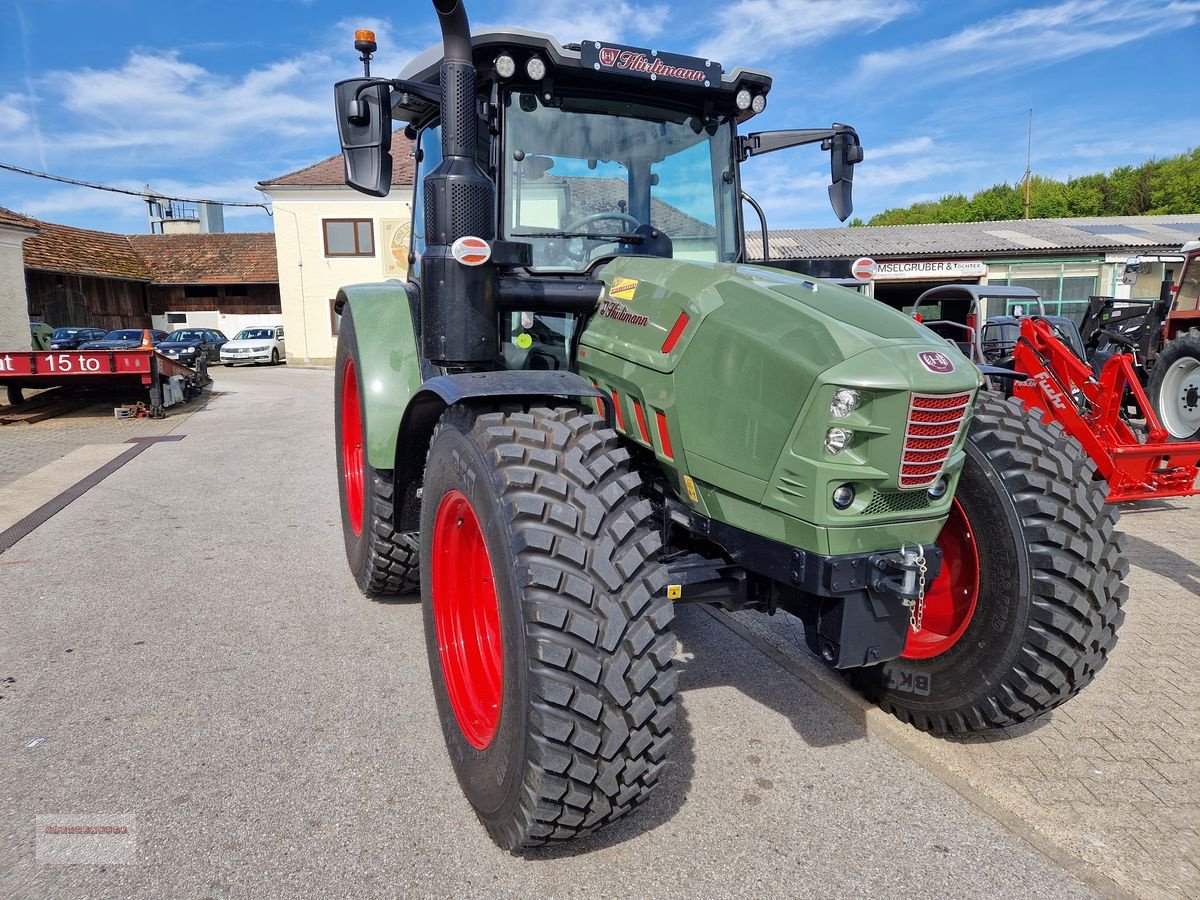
{"x": 1169, "y": 186}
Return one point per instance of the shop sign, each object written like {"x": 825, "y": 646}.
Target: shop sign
{"x": 929, "y": 269}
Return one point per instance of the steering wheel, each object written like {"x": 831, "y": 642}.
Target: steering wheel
{"x": 600, "y": 217}
{"x": 584, "y": 253}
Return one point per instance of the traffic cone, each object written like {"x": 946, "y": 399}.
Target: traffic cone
{"x": 147, "y": 341}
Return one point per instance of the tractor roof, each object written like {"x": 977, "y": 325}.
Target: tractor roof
{"x": 604, "y": 65}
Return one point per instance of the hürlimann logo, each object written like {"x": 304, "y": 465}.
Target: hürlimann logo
{"x": 612, "y": 310}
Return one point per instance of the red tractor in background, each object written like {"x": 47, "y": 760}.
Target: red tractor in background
{"x": 1098, "y": 398}
{"x": 1162, "y": 337}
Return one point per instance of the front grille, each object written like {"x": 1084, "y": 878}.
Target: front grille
{"x": 934, "y": 421}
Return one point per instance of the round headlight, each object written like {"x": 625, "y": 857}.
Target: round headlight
{"x": 845, "y": 401}
{"x": 742, "y": 99}
{"x": 939, "y": 489}
{"x": 535, "y": 68}
{"x": 759, "y": 103}
{"x": 837, "y": 439}
{"x": 506, "y": 66}
{"x": 843, "y": 496}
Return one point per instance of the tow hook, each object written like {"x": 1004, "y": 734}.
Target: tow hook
{"x": 899, "y": 573}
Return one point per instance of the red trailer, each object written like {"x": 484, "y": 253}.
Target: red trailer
{"x": 143, "y": 367}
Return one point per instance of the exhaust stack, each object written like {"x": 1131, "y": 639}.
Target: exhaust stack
{"x": 458, "y": 301}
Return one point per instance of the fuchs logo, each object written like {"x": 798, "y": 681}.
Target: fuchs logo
{"x": 936, "y": 362}
{"x": 636, "y": 61}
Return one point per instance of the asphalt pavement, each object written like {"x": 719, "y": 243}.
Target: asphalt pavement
{"x": 187, "y": 643}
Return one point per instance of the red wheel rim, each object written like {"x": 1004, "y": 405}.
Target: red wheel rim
{"x": 950, "y": 601}
{"x": 353, "y": 464}
{"x": 467, "y": 618}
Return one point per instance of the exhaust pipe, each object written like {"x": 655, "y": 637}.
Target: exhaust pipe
{"x": 458, "y": 301}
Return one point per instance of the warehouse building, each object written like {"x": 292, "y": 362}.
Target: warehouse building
{"x": 1064, "y": 260}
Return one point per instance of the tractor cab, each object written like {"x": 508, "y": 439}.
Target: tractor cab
{"x": 557, "y": 159}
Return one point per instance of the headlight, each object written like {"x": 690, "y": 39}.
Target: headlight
{"x": 845, "y": 401}
{"x": 742, "y": 99}
{"x": 759, "y": 103}
{"x": 843, "y": 496}
{"x": 939, "y": 489}
{"x": 837, "y": 439}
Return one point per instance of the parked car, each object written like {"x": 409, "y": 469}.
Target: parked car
{"x": 39, "y": 335}
{"x": 255, "y": 345}
{"x": 123, "y": 339}
{"x": 189, "y": 344}
{"x": 71, "y": 338}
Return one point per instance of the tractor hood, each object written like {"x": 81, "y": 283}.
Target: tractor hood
{"x": 652, "y": 310}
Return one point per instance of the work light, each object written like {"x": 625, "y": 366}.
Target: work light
{"x": 742, "y": 99}
{"x": 535, "y": 68}
{"x": 506, "y": 66}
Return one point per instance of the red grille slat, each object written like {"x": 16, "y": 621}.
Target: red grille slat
{"x": 954, "y": 401}
{"x": 934, "y": 423}
{"x": 933, "y": 431}
{"x": 930, "y": 417}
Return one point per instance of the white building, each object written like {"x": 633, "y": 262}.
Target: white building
{"x": 14, "y": 306}
{"x": 328, "y": 235}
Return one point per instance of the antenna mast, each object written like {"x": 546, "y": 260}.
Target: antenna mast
{"x": 1028, "y": 159}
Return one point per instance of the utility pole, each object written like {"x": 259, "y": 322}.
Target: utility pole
{"x": 1028, "y": 160}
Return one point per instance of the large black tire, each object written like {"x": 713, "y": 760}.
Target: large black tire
{"x": 1174, "y": 386}
{"x": 16, "y": 396}
{"x": 384, "y": 561}
{"x": 1050, "y": 584}
{"x": 586, "y": 697}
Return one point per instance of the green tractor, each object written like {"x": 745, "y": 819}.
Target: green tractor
{"x": 583, "y": 408}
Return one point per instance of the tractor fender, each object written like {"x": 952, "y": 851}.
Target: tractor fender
{"x": 439, "y": 393}
{"x": 388, "y": 359}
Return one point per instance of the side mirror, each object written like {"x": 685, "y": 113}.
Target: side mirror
{"x": 364, "y": 118}
{"x": 845, "y": 153}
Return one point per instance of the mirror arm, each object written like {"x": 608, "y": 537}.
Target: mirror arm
{"x": 402, "y": 90}
{"x": 761, "y": 142}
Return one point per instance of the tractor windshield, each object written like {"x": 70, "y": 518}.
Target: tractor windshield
{"x": 581, "y": 176}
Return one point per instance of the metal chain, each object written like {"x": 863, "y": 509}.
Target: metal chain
{"x": 916, "y": 617}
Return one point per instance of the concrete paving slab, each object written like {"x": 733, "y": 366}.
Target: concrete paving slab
{"x": 208, "y": 667}
{"x": 21, "y": 497}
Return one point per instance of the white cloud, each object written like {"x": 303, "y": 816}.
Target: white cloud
{"x": 13, "y": 117}
{"x": 573, "y": 20}
{"x": 757, "y": 29}
{"x": 903, "y": 148}
{"x": 1028, "y": 38}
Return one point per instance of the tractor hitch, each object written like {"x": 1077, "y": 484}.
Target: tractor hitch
{"x": 855, "y": 607}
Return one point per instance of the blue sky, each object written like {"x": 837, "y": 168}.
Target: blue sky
{"x": 206, "y": 97}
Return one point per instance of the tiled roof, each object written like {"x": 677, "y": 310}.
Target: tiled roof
{"x": 1023, "y": 237}
{"x": 230, "y": 257}
{"x": 16, "y": 220}
{"x": 61, "y": 248}
{"x": 331, "y": 172}
{"x": 594, "y": 195}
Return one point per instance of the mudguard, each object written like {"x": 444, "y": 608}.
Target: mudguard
{"x": 388, "y": 359}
